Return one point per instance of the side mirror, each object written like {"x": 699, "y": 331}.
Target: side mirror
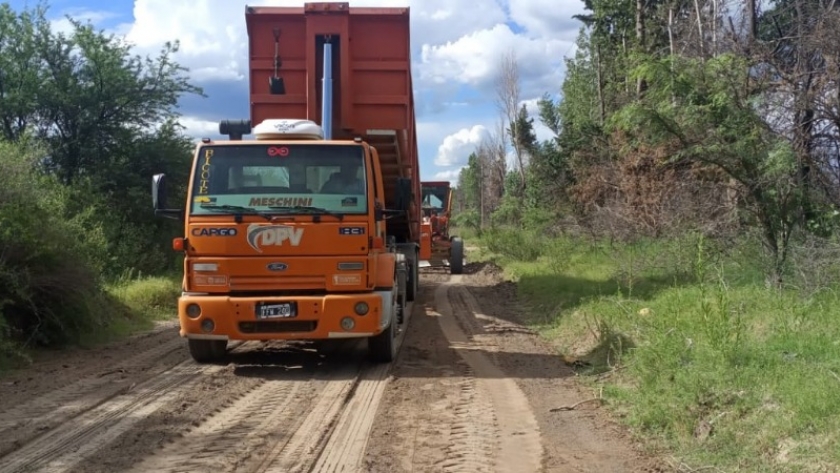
{"x": 159, "y": 199}
{"x": 159, "y": 191}
{"x": 378, "y": 213}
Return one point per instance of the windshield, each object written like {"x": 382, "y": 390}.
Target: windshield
{"x": 434, "y": 198}
{"x": 264, "y": 178}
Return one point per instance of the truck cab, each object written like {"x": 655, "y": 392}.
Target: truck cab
{"x": 285, "y": 238}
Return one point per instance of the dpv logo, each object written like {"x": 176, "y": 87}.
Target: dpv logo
{"x": 260, "y": 236}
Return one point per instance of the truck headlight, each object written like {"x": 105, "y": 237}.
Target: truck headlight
{"x": 193, "y": 311}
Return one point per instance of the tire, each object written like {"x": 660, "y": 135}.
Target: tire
{"x": 207, "y": 351}
{"x": 382, "y": 348}
{"x": 402, "y": 283}
{"x": 456, "y": 256}
{"x": 413, "y": 278}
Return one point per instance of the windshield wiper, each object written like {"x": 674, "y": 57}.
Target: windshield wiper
{"x": 237, "y": 211}
{"x": 316, "y": 211}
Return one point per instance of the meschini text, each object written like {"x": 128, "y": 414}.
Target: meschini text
{"x": 280, "y": 201}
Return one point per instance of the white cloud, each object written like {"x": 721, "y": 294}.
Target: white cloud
{"x": 456, "y": 148}
{"x": 196, "y": 128}
{"x": 531, "y": 105}
{"x": 541, "y": 131}
{"x": 474, "y": 58}
{"x": 62, "y": 25}
{"x": 214, "y": 41}
{"x": 548, "y": 18}
{"x": 212, "y": 36}
{"x": 438, "y": 21}
{"x": 450, "y": 175}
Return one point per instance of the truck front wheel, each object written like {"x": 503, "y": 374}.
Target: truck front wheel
{"x": 382, "y": 348}
{"x": 207, "y": 351}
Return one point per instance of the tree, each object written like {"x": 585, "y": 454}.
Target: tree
{"x": 715, "y": 125}
{"x": 508, "y": 95}
{"x": 117, "y": 92}
{"x": 106, "y": 119}
{"x": 21, "y": 71}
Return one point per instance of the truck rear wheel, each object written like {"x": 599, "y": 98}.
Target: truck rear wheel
{"x": 456, "y": 256}
{"x": 207, "y": 351}
{"x": 402, "y": 280}
{"x": 413, "y": 278}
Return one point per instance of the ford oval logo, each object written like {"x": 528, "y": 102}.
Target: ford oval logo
{"x": 277, "y": 266}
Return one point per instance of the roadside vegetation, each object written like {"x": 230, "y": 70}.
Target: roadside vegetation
{"x": 685, "y": 342}
{"x": 83, "y": 125}
{"x": 676, "y": 238}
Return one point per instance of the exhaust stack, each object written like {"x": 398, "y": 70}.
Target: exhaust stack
{"x": 326, "y": 92}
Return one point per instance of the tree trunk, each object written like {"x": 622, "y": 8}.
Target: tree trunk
{"x": 641, "y": 85}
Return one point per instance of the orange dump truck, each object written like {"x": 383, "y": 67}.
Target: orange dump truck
{"x": 310, "y": 230}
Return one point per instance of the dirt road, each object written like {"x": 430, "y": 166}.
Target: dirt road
{"x": 471, "y": 391}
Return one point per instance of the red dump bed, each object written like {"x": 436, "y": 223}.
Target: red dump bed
{"x": 372, "y": 89}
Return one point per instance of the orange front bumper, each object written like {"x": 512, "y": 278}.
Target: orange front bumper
{"x": 317, "y": 317}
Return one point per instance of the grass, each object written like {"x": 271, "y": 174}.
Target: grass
{"x": 128, "y": 305}
{"x": 144, "y": 300}
{"x": 694, "y": 352}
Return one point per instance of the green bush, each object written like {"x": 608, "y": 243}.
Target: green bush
{"x": 49, "y": 279}
{"x": 515, "y": 244}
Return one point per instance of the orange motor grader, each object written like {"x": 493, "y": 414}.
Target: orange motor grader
{"x": 437, "y": 247}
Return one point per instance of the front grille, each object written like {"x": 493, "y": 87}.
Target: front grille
{"x": 270, "y": 283}
{"x": 278, "y": 326}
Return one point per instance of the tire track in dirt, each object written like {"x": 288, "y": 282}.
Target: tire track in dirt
{"x": 308, "y": 440}
{"x": 346, "y": 445}
{"x": 71, "y": 442}
{"x": 238, "y": 434}
{"x": 334, "y": 436}
{"x": 516, "y": 429}
{"x": 78, "y": 438}
{"x": 473, "y": 435}
{"x": 184, "y": 417}
{"x": 345, "y": 448}
{"x": 433, "y": 417}
{"x": 22, "y": 423}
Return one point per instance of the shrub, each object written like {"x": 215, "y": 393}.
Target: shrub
{"x": 49, "y": 289}
{"x": 515, "y": 244}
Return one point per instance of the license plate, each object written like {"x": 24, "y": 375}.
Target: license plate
{"x": 280, "y": 310}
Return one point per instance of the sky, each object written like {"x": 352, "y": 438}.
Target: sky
{"x": 456, "y": 46}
